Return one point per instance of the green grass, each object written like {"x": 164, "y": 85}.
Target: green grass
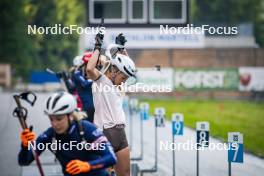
{"x": 224, "y": 116}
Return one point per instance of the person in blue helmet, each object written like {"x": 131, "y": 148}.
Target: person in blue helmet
{"x": 83, "y": 150}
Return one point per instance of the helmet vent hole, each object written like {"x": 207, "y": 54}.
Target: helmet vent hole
{"x": 62, "y": 108}
{"x": 56, "y": 99}
{"x": 47, "y": 105}
{"x": 130, "y": 74}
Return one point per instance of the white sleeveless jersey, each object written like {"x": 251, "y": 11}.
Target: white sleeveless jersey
{"x": 107, "y": 103}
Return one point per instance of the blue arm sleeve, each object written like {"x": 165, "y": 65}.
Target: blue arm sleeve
{"x": 84, "y": 82}
{"x": 107, "y": 159}
{"x": 25, "y": 156}
{"x": 105, "y": 150}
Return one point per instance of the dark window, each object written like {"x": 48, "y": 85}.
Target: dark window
{"x": 137, "y": 7}
{"x": 107, "y": 9}
{"x": 167, "y": 9}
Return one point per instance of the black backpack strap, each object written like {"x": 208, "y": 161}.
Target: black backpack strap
{"x": 81, "y": 130}
{"x": 53, "y": 139}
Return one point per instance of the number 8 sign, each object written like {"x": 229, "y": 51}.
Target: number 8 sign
{"x": 202, "y": 134}
{"x": 236, "y": 147}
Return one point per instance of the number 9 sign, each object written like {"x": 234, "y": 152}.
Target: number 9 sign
{"x": 144, "y": 110}
{"x": 177, "y": 124}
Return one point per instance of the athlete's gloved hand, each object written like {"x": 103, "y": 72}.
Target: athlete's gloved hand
{"x": 75, "y": 167}
{"x": 120, "y": 40}
{"x": 27, "y": 136}
{"x": 99, "y": 41}
{"x": 87, "y": 56}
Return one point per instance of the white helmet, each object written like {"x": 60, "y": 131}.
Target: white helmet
{"x": 60, "y": 103}
{"x": 77, "y": 61}
{"x": 124, "y": 64}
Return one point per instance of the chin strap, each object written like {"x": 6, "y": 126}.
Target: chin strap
{"x": 69, "y": 120}
{"x": 113, "y": 74}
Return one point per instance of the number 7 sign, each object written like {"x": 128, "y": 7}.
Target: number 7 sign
{"x": 236, "y": 147}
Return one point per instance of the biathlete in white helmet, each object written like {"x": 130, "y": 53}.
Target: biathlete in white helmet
{"x": 109, "y": 114}
{"x": 85, "y": 150}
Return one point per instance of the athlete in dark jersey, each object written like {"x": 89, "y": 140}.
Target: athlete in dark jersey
{"x": 91, "y": 159}
{"x": 84, "y": 91}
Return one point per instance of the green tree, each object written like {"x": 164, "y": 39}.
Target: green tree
{"x": 36, "y": 52}
{"x": 231, "y": 12}
{"x": 56, "y": 50}
{"x": 16, "y": 48}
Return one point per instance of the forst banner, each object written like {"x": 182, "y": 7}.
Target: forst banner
{"x": 182, "y": 79}
{"x": 206, "y": 79}
{"x": 150, "y": 79}
{"x": 251, "y": 79}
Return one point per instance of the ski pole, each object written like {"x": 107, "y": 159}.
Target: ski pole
{"x": 21, "y": 113}
{"x": 65, "y": 78}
